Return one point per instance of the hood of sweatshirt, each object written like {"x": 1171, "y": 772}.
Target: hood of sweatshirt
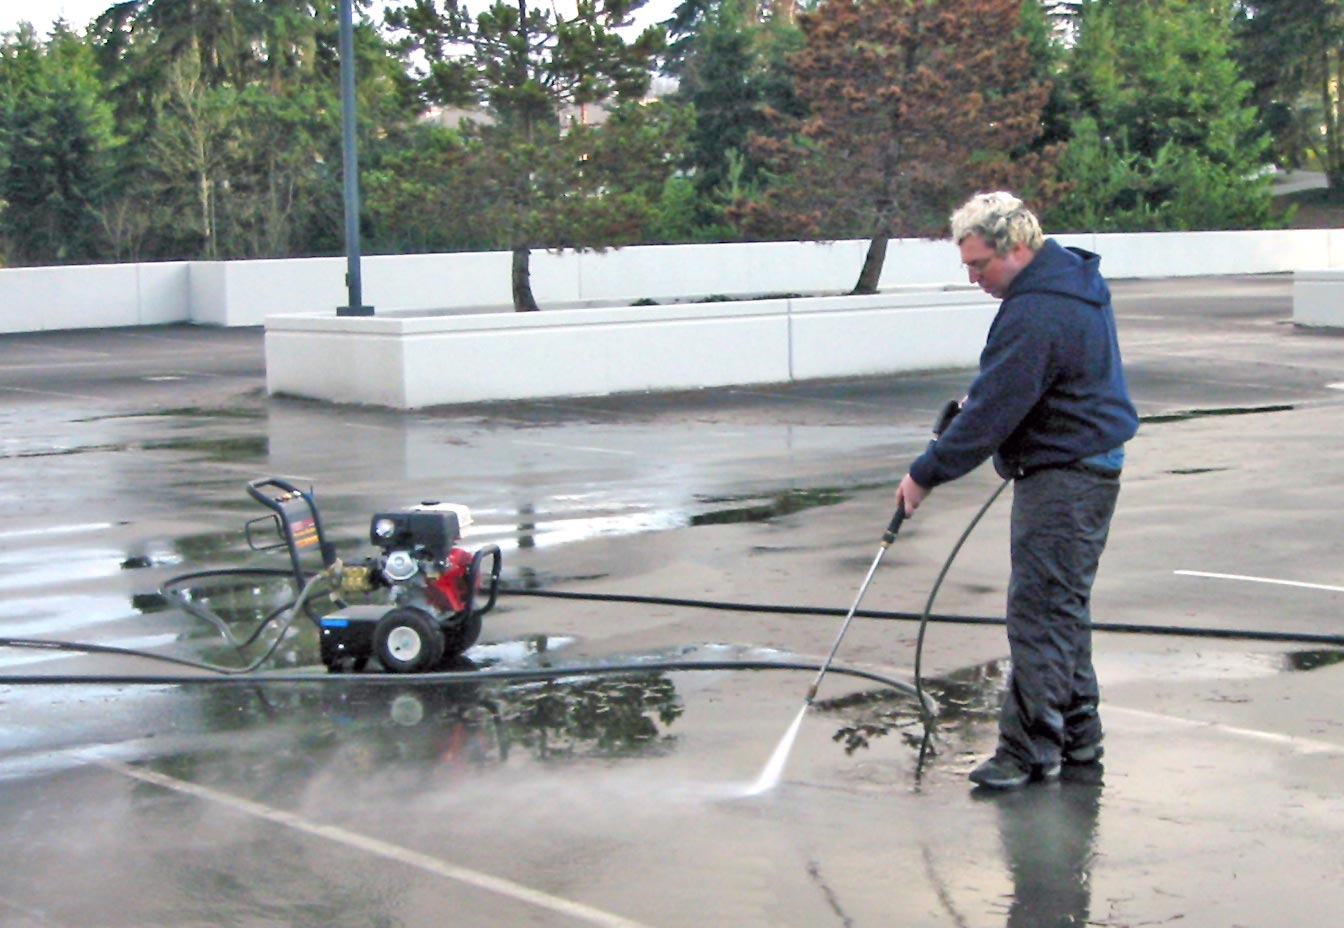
{"x": 1071, "y": 272}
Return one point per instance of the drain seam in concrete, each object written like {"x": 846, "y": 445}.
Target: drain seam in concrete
{"x": 434, "y": 865}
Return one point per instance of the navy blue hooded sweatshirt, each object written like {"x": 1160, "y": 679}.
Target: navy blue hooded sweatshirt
{"x": 1051, "y": 388}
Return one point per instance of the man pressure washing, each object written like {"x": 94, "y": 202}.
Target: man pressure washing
{"x": 1051, "y": 406}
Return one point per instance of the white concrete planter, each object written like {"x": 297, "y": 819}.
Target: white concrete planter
{"x": 410, "y": 362}
{"x": 1318, "y": 298}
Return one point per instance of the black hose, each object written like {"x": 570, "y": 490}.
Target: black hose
{"x": 1180, "y": 631}
{"x": 293, "y": 608}
{"x": 170, "y": 592}
{"x": 247, "y": 674}
{"x": 933, "y": 593}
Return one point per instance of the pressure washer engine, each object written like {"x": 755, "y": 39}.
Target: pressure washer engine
{"x": 430, "y": 593}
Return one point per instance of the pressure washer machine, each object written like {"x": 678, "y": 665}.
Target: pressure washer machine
{"x": 425, "y": 594}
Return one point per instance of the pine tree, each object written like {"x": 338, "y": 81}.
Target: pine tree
{"x": 1164, "y": 137}
{"x": 56, "y": 144}
{"x": 1294, "y": 53}
{"x": 534, "y": 76}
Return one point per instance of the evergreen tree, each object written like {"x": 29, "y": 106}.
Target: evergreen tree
{"x": 734, "y": 73}
{"x": 1164, "y": 137}
{"x": 57, "y": 140}
{"x": 1294, "y": 54}
{"x": 233, "y": 113}
{"x": 534, "y": 77}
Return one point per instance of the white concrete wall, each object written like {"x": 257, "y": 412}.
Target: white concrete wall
{"x": 1318, "y": 299}
{"x": 429, "y": 283}
{"x": 247, "y": 292}
{"x": 99, "y": 296}
{"x": 1187, "y": 254}
{"x": 413, "y": 362}
{"x": 663, "y": 273}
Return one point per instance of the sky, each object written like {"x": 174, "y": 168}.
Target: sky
{"x": 79, "y": 13}
{"x": 42, "y": 13}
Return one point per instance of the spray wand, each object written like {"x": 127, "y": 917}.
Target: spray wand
{"x": 945, "y": 416}
{"x": 774, "y": 767}
{"x": 887, "y": 538}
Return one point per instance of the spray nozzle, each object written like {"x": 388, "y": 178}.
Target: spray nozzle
{"x": 894, "y": 526}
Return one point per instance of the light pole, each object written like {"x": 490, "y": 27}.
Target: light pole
{"x": 350, "y": 167}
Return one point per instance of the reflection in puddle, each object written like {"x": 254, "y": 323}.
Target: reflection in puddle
{"x": 971, "y": 696}
{"x": 1311, "y": 660}
{"x": 1049, "y": 842}
{"x": 965, "y": 698}
{"x": 761, "y": 510}
{"x": 436, "y": 725}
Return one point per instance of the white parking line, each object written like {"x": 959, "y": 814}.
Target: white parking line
{"x": 1292, "y": 742}
{"x": 434, "y": 865}
{"x": 589, "y": 448}
{"x": 65, "y": 396}
{"x": 78, "y": 529}
{"x": 1298, "y": 583}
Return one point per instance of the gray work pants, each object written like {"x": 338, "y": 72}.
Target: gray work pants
{"x": 1061, "y": 517}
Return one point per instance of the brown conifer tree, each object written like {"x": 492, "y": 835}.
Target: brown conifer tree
{"x": 912, "y": 105}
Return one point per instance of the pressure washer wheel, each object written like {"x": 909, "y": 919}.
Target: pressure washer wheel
{"x": 459, "y": 637}
{"x": 408, "y": 640}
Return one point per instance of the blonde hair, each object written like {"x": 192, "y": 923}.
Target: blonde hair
{"x": 1001, "y": 219}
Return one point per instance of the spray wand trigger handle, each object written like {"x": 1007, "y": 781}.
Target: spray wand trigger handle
{"x": 895, "y": 525}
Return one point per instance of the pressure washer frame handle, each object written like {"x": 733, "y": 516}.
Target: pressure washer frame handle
{"x": 474, "y": 580}
{"x": 296, "y": 519}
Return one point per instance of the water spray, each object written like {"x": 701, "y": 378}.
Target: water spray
{"x": 774, "y": 767}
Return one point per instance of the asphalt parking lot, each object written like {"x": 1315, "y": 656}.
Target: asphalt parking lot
{"x": 592, "y": 798}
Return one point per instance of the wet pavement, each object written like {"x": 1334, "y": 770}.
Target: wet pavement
{"x": 620, "y": 798}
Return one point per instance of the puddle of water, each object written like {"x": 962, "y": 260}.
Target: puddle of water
{"x": 522, "y": 651}
{"x": 1205, "y": 413}
{"x": 244, "y": 448}
{"x": 758, "y": 510}
{"x": 971, "y": 696}
{"x": 471, "y": 724}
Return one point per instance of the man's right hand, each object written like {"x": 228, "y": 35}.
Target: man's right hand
{"x": 910, "y": 494}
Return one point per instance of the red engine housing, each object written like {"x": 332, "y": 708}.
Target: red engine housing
{"x": 450, "y": 591}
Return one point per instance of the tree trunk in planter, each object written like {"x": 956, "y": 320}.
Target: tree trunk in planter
{"x": 523, "y": 301}
{"x": 872, "y": 265}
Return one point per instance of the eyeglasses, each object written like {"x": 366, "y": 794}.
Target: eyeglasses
{"x": 979, "y": 265}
